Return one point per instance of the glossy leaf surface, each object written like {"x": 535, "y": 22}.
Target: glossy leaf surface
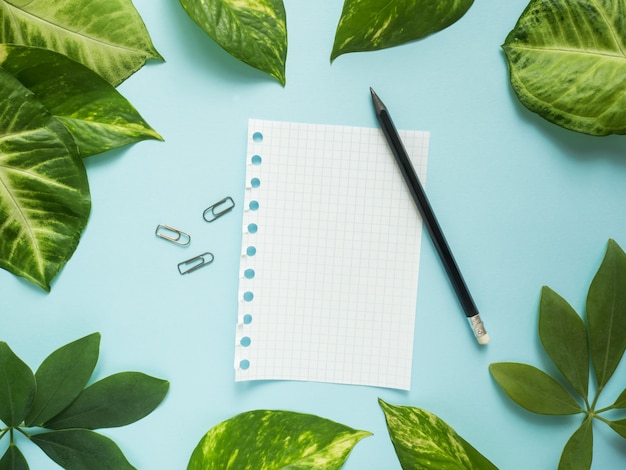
{"x": 13, "y": 459}
{"x": 44, "y": 192}
{"x": 114, "y": 401}
{"x": 577, "y": 453}
{"x": 80, "y": 449}
{"x": 606, "y": 313}
{"x": 254, "y": 32}
{"x": 97, "y": 115}
{"x": 17, "y": 387}
{"x": 424, "y": 441}
{"x": 567, "y": 63}
{"x": 564, "y": 337}
{"x": 109, "y": 36}
{"x": 369, "y": 25}
{"x": 269, "y": 440}
{"x": 533, "y": 389}
{"x": 62, "y": 377}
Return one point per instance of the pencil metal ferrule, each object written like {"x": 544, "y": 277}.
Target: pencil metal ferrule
{"x": 478, "y": 328}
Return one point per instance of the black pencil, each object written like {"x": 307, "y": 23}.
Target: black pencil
{"x": 429, "y": 219}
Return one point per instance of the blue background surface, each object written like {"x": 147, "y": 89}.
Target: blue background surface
{"x": 523, "y": 202}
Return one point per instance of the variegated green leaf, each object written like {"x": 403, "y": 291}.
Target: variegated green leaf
{"x": 108, "y": 36}
{"x": 577, "y": 453}
{"x": 44, "y": 192}
{"x": 272, "y": 440}
{"x": 424, "y": 441}
{"x": 96, "y": 114}
{"x": 369, "y": 25}
{"x": 567, "y": 63}
{"x": 254, "y": 32}
{"x": 606, "y": 313}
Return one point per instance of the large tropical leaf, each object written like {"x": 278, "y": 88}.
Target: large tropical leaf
{"x": 268, "y": 440}
{"x": 108, "y": 36}
{"x": 426, "y": 442}
{"x": 96, "y": 114}
{"x": 567, "y": 63}
{"x": 44, "y": 192}
{"x": 369, "y": 25}
{"x": 606, "y": 313}
{"x": 254, "y": 32}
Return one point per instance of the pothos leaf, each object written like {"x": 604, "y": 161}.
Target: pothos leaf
{"x": 108, "y": 37}
{"x": 369, "y": 25}
{"x": 577, "y": 453}
{"x": 17, "y": 387}
{"x": 267, "y": 439}
{"x": 422, "y": 440}
{"x": 13, "y": 459}
{"x": 254, "y": 32}
{"x": 78, "y": 449}
{"x": 44, "y": 192}
{"x": 533, "y": 389}
{"x": 564, "y": 337}
{"x": 566, "y": 61}
{"x": 96, "y": 114}
{"x": 606, "y": 313}
{"x": 62, "y": 376}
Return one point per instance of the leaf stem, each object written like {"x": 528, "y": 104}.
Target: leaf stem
{"x": 23, "y": 432}
{"x": 3, "y": 432}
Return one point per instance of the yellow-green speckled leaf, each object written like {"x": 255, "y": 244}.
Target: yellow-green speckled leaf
{"x": 273, "y": 440}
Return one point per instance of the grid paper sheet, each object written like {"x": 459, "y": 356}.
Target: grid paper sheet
{"x": 330, "y": 256}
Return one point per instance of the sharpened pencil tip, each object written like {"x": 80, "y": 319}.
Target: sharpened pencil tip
{"x": 378, "y": 104}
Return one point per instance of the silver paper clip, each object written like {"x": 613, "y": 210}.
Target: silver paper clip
{"x": 196, "y": 262}
{"x": 173, "y": 235}
{"x": 218, "y": 209}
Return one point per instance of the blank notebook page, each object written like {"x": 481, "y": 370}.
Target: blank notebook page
{"x": 330, "y": 256}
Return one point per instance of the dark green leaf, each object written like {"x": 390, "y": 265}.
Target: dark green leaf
{"x": 17, "y": 387}
{"x": 98, "y": 117}
{"x": 619, "y": 427}
{"x": 566, "y": 61}
{"x": 253, "y": 32}
{"x": 81, "y": 449}
{"x": 424, "y": 441}
{"x": 533, "y": 389}
{"x": 117, "y": 400}
{"x": 62, "y": 376}
{"x": 108, "y": 37}
{"x": 606, "y": 313}
{"x": 44, "y": 192}
{"x": 621, "y": 400}
{"x": 369, "y": 25}
{"x": 268, "y": 440}
{"x": 578, "y": 451}
{"x": 13, "y": 459}
{"x": 564, "y": 337}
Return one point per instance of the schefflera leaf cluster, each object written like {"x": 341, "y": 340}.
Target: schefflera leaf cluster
{"x": 59, "y": 65}
{"x": 576, "y": 348}
{"x": 53, "y": 409}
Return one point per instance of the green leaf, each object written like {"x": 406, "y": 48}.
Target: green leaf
{"x": 13, "y": 459}
{"x": 44, "y": 192}
{"x": 578, "y": 451}
{"x": 117, "y": 400}
{"x": 370, "y": 25}
{"x": 424, "y": 441}
{"x": 618, "y": 426}
{"x": 96, "y": 114}
{"x": 606, "y": 313}
{"x": 621, "y": 400}
{"x": 566, "y": 62}
{"x": 254, "y": 32}
{"x": 62, "y": 376}
{"x": 564, "y": 337}
{"x": 79, "y": 449}
{"x": 533, "y": 389}
{"x": 268, "y": 440}
{"x": 17, "y": 387}
{"x": 108, "y": 37}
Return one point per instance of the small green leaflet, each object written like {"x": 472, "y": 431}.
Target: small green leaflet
{"x": 271, "y": 440}
{"x": 424, "y": 441}
{"x": 567, "y": 61}
{"x": 369, "y": 25}
{"x": 109, "y": 36}
{"x": 254, "y": 31}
